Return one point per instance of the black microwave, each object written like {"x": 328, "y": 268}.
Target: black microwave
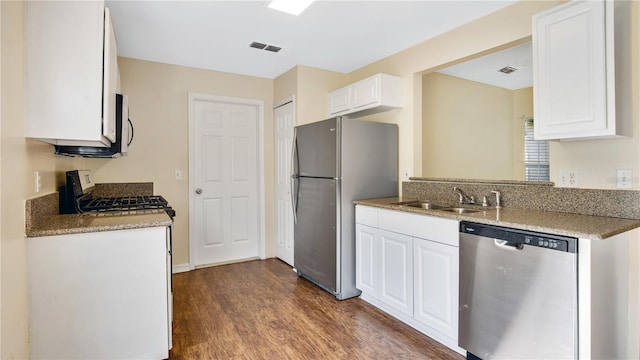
{"x": 124, "y": 136}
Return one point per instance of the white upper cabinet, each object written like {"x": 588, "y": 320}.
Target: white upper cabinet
{"x": 110, "y": 81}
{"x": 339, "y": 101}
{"x": 70, "y": 49}
{"x": 380, "y": 92}
{"x": 581, "y": 62}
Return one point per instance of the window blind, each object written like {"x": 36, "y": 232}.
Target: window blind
{"x": 536, "y": 155}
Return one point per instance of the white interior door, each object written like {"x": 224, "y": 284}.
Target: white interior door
{"x": 284, "y": 123}
{"x": 224, "y": 180}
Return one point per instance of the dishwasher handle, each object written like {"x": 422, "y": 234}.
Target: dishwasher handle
{"x": 506, "y": 245}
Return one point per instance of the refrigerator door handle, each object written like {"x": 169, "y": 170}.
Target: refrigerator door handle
{"x": 294, "y": 198}
{"x": 294, "y": 178}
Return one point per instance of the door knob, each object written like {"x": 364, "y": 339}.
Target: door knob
{"x": 198, "y": 191}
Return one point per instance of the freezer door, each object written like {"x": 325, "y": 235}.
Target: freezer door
{"x": 316, "y": 149}
{"x": 315, "y": 235}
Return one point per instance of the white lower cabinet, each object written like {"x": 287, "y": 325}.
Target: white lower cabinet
{"x": 396, "y": 277}
{"x": 102, "y": 295}
{"x": 407, "y": 266}
{"x": 367, "y": 255}
{"x": 436, "y": 286}
{"x": 384, "y": 267}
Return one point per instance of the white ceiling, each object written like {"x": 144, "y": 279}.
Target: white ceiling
{"x": 485, "y": 69}
{"x": 335, "y": 35}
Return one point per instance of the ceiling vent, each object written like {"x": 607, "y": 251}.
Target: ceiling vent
{"x": 273, "y": 48}
{"x": 507, "y": 70}
{"x": 258, "y": 45}
{"x": 261, "y": 46}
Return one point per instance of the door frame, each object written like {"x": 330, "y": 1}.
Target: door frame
{"x": 192, "y": 98}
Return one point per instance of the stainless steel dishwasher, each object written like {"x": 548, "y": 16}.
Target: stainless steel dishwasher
{"x": 518, "y": 294}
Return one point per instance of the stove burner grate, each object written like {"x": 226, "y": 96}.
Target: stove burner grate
{"x": 127, "y": 204}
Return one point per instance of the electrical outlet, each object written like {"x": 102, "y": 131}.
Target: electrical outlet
{"x": 178, "y": 175}
{"x": 573, "y": 178}
{"x": 568, "y": 178}
{"x": 623, "y": 179}
{"x": 38, "y": 181}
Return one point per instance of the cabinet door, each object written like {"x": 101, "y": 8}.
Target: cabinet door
{"x": 339, "y": 101}
{"x": 570, "y": 79}
{"x": 396, "y": 276}
{"x": 367, "y": 259}
{"x": 110, "y": 79}
{"x": 103, "y": 295}
{"x": 436, "y": 286}
{"x": 365, "y": 92}
{"x": 64, "y": 70}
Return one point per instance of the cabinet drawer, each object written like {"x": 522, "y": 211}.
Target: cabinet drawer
{"x": 367, "y": 215}
{"x": 426, "y": 227}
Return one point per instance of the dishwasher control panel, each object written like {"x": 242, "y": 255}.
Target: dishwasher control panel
{"x": 546, "y": 242}
{"x": 519, "y": 237}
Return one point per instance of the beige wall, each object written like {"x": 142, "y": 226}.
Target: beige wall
{"x": 522, "y": 106}
{"x": 596, "y": 161}
{"x": 501, "y": 29}
{"x": 467, "y": 129}
{"x": 285, "y": 85}
{"x": 313, "y": 86}
{"x": 159, "y": 109}
{"x": 310, "y": 87}
{"x": 20, "y": 158}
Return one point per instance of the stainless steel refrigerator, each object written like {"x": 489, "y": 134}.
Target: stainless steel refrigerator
{"x": 335, "y": 162}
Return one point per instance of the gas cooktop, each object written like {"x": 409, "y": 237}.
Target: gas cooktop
{"x": 77, "y": 197}
{"x": 126, "y": 205}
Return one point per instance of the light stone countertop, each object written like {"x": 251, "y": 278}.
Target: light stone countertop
{"x": 575, "y": 225}
{"x": 85, "y": 223}
{"x": 42, "y": 217}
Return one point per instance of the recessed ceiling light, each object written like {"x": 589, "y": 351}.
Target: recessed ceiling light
{"x": 293, "y": 7}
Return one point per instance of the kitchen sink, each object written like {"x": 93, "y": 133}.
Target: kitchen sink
{"x": 427, "y": 205}
{"x": 430, "y": 206}
{"x": 459, "y": 210}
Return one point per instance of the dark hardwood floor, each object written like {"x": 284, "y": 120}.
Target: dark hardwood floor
{"x": 262, "y": 310}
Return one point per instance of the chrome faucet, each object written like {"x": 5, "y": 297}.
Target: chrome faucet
{"x": 464, "y": 198}
{"x": 498, "y": 197}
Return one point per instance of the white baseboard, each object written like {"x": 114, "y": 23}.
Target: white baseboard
{"x": 181, "y": 268}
